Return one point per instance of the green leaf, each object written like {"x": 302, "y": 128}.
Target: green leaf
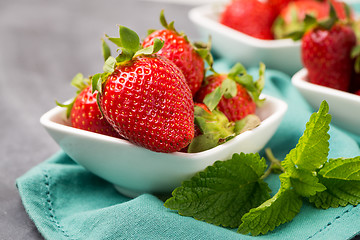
{"x": 129, "y": 39}
{"x": 68, "y": 106}
{"x": 79, "y": 81}
{"x": 164, "y": 22}
{"x": 116, "y": 41}
{"x": 279, "y": 209}
{"x": 305, "y": 183}
{"x": 236, "y": 70}
{"x": 222, "y": 193}
{"x": 215, "y": 128}
{"x": 212, "y": 99}
{"x": 249, "y": 122}
{"x": 124, "y": 56}
{"x": 109, "y": 65}
{"x": 105, "y": 50}
{"x": 228, "y": 88}
{"x": 96, "y": 83}
{"x": 158, "y": 44}
{"x": 342, "y": 168}
{"x": 313, "y": 147}
{"x": 338, "y": 193}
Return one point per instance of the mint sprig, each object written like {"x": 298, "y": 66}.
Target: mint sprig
{"x": 218, "y": 194}
{"x": 222, "y": 193}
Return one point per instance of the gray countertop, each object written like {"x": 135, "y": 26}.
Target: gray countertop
{"x": 43, "y": 44}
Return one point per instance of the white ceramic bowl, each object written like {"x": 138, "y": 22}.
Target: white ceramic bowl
{"x": 344, "y": 106}
{"x": 283, "y": 55}
{"x": 135, "y": 170}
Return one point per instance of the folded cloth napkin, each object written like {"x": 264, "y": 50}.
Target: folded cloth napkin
{"x": 65, "y": 201}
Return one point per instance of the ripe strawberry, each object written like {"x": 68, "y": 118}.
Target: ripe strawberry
{"x": 357, "y": 92}
{"x": 235, "y": 94}
{"x": 326, "y": 55}
{"x": 252, "y": 17}
{"x": 84, "y": 113}
{"x": 291, "y": 18}
{"x": 279, "y": 4}
{"x": 178, "y": 49}
{"x": 145, "y": 96}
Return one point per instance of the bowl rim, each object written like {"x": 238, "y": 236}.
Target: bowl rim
{"x": 199, "y": 16}
{"x": 300, "y": 81}
{"x": 280, "y": 108}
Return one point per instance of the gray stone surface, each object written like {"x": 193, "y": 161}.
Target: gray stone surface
{"x": 43, "y": 44}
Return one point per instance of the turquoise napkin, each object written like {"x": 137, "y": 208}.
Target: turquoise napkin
{"x": 67, "y": 202}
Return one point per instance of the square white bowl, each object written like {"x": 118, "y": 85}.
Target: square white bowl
{"x": 135, "y": 170}
{"x": 283, "y": 54}
{"x": 343, "y": 106}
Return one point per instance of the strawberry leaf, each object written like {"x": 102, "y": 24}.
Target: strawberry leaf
{"x": 79, "y": 81}
{"x": 129, "y": 39}
{"x": 105, "y": 50}
{"x": 249, "y": 122}
{"x": 212, "y": 99}
{"x": 164, "y": 22}
{"x": 96, "y": 83}
{"x": 215, "y": 128}
{"x": 222, "y": 193}
{"x": 109, "y": 65}
{"x": 158, "y": 44}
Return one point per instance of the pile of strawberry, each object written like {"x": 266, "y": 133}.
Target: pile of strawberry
{"x": 330, "y": 47}
{"x": 275, "y": 19}
{"x": 156, "y": 94}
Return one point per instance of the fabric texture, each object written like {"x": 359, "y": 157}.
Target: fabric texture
{"x": 67, "y": 202}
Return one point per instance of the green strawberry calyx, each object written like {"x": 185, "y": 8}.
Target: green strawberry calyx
{"x": 80, "y": 83}
{"x": 201, "y": 48}
{"x": 228, "y": 88}
{"x": 129, "y": 47}
{"x": 310, "y": 23}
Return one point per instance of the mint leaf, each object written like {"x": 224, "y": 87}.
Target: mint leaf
{"x": 305, "y": 183}
{"x": 342, "y": 168}
{"x": 313, "y": 147}
{"x": 222, "y": 193}
{"x": 279, "y": 209}
{"x": 339, "y": 192}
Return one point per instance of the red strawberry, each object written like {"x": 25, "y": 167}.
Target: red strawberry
{"x": 229, "y": 92}
{"x": 145, "y": 96}
{"x": 357, "y": 92}
{"x": 178, "y": 49}
{"x": 84, "y": 112}
{"x": 326, "y": 55}
{"x": 252, "y": 17}
{"x": 279, "y": 4}
{"x": 291, "y": 18}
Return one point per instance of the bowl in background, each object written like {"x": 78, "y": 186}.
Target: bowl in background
{"x": 283, "y": 54}
{"x": 135, "y": 170}
{"x": 343, "y": 106}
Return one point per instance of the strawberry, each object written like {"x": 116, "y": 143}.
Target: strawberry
{"x": 357, "y": 92}
{"x": 326, "y": 51}
{"x": 291, "y": 18}
{"x": 179, "y": 49}
{"x": 84, "y": 112}
{"x": 145, "y": 96}
{"x": 279, "y": 4}
{"x": 252, "y": 17}
{"x": 235, "y": 94}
